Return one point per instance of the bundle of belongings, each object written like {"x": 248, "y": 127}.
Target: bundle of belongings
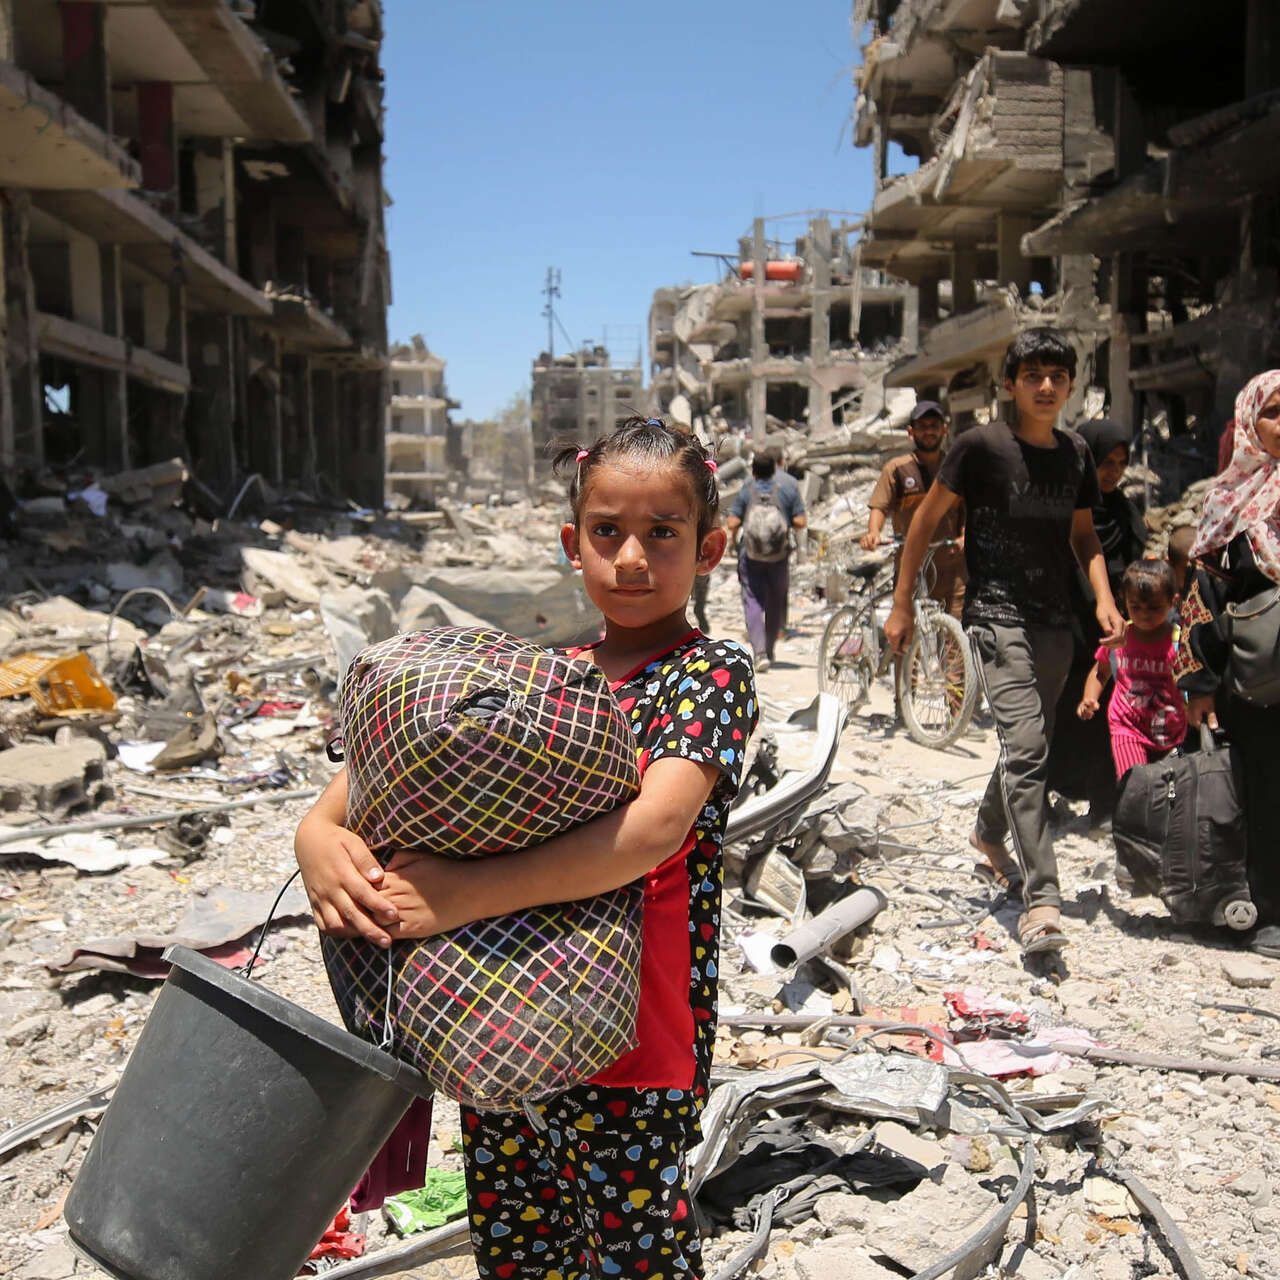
{"x": 470, "y": 743}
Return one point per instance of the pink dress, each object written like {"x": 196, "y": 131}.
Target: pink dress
{"x": 1147, "y": 715}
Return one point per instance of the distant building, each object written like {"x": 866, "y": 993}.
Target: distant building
{"x": 419, "y": 436}
{"x": 580, "y": 397}
{"x": 194, "y": 255}
{"x": 799, "y": 346}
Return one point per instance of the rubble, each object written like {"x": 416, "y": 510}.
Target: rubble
{"x": 53, "y": 780}
{"x": 1140, "y": 1063}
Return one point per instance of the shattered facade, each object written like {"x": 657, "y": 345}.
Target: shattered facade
{"x": 793, "y": 335}
{"x": 419, "y": 432}
{"x": 1106, "y": 168}
{"x": 194, "y": 256}
{"x": 580, "y": 397}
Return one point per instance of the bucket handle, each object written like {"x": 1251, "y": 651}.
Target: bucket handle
{"x": 387, "y": 1043}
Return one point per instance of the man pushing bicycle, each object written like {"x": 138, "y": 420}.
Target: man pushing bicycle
{"x": 901, "y": 489}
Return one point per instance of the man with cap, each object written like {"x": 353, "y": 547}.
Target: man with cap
{"x": 901, "y": 489}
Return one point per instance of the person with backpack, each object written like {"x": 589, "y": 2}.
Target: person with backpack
{"x": 760, "y": 522}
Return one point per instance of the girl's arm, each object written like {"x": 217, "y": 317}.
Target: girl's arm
{"x": 339, "y": 871}
{"x": 1094, "y": 683}
{"x": 434, "y": 894}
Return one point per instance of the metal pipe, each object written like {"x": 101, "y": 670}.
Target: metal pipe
{"x": 819, "y": 933}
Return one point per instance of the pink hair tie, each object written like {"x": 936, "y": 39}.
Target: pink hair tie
{"x": 582, "y": 453}
{"x": 712, "y": 464}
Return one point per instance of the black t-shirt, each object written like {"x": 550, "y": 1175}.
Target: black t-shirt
{"x": 1020, "y": 501}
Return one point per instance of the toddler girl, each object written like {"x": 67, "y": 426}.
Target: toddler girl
{"x": 592, "y": 1182}
{"x": 1147, "y": 717}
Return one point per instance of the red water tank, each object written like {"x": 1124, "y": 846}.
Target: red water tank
{"x": 791, "y": 270}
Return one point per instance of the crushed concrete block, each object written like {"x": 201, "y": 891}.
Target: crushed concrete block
{"x": 159, "y": 485}
{"x": 421, "y": 610}
{"x": 354, "y": 618}
{"x": 1246, "y": 970}
{"x": 162, "y": 573}
{"x": 54, "y": 1263}
{"x": 66, "y": 620}
{"x": 839, "y": 1258}
{"x": 267, "y": 572}
{"x": 1253, "y": 1186}
{"x": 841, "y": 1209}
{"x": 901, "y": 1141}
{"x": 52, "y": 779}
{"x": 27, "y": 1030}
{"x": 1110, "y": 1199}
{"x": 927, "y": 1223}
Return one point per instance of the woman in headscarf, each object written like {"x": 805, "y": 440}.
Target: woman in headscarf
{"x": 1080, "y": 754}
{"x": 1236, "y": 555}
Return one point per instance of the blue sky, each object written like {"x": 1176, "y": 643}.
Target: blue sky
{"x": 607, "y": 139}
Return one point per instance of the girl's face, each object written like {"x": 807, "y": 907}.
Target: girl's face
{"x": 1268, "y": 425}
{"x": 1111, "y": 468}
{"x": 1147, "y": 615}
{"x": 636, "y": 542}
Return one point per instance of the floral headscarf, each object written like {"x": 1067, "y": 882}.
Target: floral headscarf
{"x": 1246, "y": 498}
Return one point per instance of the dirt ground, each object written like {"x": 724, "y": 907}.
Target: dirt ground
{"x": 1204, "y": 1143}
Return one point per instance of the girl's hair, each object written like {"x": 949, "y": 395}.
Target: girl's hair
{"x": 1149, "y": 581}
{"x": 649, "y": 440}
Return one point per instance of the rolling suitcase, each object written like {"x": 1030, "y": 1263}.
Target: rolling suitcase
{"x": 1180, "y": 832}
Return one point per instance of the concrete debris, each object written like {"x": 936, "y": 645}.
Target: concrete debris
{"x": 1248, "y": 971}
{"x": 892, "y": 1014}
{"x": 53, "y": 780}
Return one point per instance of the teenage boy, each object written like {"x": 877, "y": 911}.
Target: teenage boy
{"x": 1028, "y": 491}
{"x": 901, "y": 489}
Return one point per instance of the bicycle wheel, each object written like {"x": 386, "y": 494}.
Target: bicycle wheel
{"x": 937, "y": 684}
{"x": 846, "y": 655}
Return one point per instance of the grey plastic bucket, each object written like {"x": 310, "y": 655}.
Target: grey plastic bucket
{"x": 239, "y": 1128}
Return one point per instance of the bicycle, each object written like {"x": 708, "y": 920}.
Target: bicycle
{"x": 936, "y": 685}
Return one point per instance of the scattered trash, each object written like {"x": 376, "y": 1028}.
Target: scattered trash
{"x": 214, "y": 924}
{"x": 443, "y": 1198}
{"x": 65, "y": 686}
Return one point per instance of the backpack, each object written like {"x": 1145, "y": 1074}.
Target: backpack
{"x": 1179, "y": 829}
{"x": 765, "y": 526}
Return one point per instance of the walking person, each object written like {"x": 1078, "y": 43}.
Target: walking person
{"x": 594, "y": 1185}
{"x": 1079, "y": 751}
{"x": 1029, "y": 491}
{"x": 1236, "y": 558}
{"x": 1145, "y": 715}
{"x": 765, "y": 511}
{"x": 901, "y": 489}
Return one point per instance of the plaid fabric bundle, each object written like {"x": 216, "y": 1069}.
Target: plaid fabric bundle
{"x": 467, "y": 743}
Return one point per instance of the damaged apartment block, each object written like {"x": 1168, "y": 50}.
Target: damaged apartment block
{"x": 1105, "y": 166}
{"x": 194, "y": 256}
{"x": 794, "y": 335}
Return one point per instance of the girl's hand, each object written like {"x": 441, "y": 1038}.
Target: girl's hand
{"x": 1200, "y": 708}
{"x": 340, "y": 873}
{"x": 428, "y": 893}
{"x": 1088, "y": 708}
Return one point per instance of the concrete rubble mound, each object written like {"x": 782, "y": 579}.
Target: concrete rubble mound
{"x": 902, "y": 1094}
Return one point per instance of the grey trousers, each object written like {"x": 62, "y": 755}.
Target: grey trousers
{"x": 1023, "y": 670}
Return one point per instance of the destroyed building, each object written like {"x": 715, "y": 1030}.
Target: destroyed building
{"x": 580, "y": 397}
{"x": 795, "y": 333}
{"x": 1108, "y": 168}
{"x": 419, "y": 432}
{"x": 195, "y": 263}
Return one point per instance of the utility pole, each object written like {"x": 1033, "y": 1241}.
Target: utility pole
{"x": 551, "y": 291}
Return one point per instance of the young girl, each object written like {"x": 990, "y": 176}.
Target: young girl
{"x": 593, "y": 1182}
{"x": 1146, "y": 717}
